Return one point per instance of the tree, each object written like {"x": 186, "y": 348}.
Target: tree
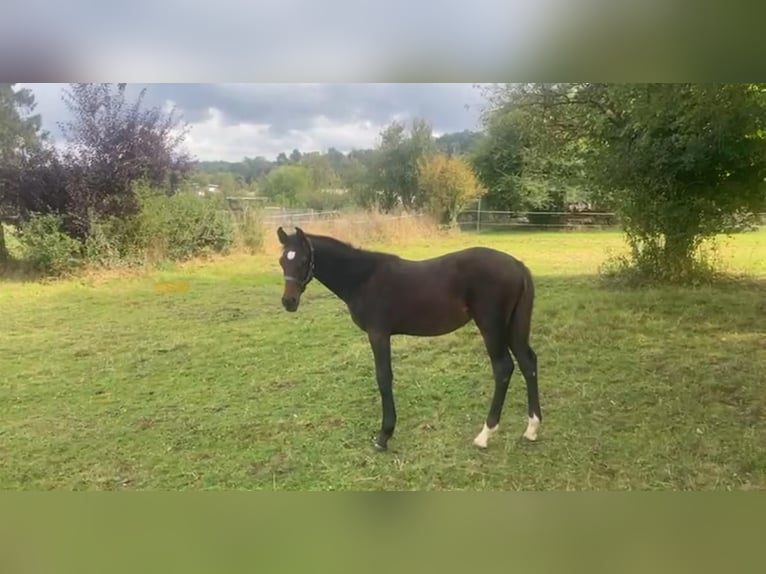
{"x": 295, "y": 156}
{"x": 458, "y": 143}
{"x": 287, "y": 184}
{"x": 320, "y": 170}
{"x": 497, "y": 161}
{"x": 523, "y": 165}
{"x": 447, "y": 184}
{"x": 112, "y": 145}
{"x": 254, "y": 168}
{"x": 355, "y": 175}
{"x": 677, "y": 161}
{"x": 20, "y": 135}
{"x": 395, "y": 171}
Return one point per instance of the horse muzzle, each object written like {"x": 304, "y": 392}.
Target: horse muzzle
{"x": 290, "y": 303}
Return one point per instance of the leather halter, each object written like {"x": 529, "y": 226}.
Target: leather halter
{"x": 309, "y": 274}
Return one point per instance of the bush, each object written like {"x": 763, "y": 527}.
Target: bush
{"x": 182, "y": 226}
{"x": 46, "y": 248}
{"x": 644, "y": 266}
{"x": 114, "y": 242}
{"x": 167, "y": 227}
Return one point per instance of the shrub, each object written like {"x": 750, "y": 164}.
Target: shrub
{"x": 181, "y": 226}
{"x": 167, "y": 227}
{"x": 46, "y": 248}
{"x": 114, "y": 242}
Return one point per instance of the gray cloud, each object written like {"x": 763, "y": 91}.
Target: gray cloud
{"x": 286, "y": 107}
{"x": 293, "y": 112}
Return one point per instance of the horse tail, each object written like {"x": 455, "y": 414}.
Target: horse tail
{"x": 520, "y": 321}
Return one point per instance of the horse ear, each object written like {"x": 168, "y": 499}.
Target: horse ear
{"x": 300, "y": 234}
{"x": 282, "y": 236}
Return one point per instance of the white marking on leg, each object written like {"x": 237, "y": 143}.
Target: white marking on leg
{"x": 482, "y": 438}
{"x": 291, "y": 255}
{"x": 532, "y": 424}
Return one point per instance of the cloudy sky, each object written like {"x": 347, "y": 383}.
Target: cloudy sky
{"x": 232, "y": 121}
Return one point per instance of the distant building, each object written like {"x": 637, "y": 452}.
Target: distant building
{"x": 210, "y": 188}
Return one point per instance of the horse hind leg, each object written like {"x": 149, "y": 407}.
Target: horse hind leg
{"x": 527, "y": 360}
{"x": 519, "y": 327}
{"x": 496, "y": 341}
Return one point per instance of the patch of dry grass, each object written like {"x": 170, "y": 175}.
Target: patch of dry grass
{"x": 365, "y": 228}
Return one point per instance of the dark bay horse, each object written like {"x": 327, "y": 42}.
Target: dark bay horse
{"x": 387, "y": 295}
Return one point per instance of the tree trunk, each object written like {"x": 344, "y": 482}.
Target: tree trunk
{"x": 678, "y": 253}
{"x": 4, "y": 256}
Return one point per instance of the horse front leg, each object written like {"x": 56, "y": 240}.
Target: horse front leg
{"x": 381, "y": 350}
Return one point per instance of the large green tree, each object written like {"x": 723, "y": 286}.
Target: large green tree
{"x": 394, "y": 172}
{"x": 287, "y": 184}
{"x": 523, "y": 162}
{"x": 679, "y": 162}
{"x": 20, "y": 135}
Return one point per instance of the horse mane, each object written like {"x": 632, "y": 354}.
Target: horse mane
{"x": 338, "y": 246}
{"x": 343, "y": 264}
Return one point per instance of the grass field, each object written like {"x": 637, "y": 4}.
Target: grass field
{"x": 117, "y": 383}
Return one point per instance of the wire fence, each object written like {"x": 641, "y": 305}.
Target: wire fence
{"x": 479, "y": 219}
{"x": 293, "y": 216}
{"x": 470, "y": 219}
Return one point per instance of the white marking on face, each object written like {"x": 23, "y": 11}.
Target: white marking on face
{"x": 532, "y": 424}
{"x": 482, "y": 438}
{"x": 291, "y": 255}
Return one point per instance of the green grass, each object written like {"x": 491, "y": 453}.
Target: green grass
{"x": 112, "y": 384}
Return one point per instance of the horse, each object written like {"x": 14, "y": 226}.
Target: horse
{"x": 388, "y": 295}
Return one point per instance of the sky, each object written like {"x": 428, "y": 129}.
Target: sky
{"x": 232, "y": 121}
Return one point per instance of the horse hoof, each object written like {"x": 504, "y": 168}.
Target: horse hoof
{"x": 379, "y": 447}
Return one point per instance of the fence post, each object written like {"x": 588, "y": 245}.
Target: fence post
{"x": 478, "y": 216}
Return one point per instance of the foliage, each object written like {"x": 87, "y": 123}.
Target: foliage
{"x": 386, "y": 176}
{"x": 181, "y": 226}
{"x": 497, "y": 161}
{"x": 524, "y": 166}
{"x": 249, "y": 169}
{"x": 394, "y": 171}
{"x": 448, "y": 184}
{"x": 357, "y": 179}
{"x": 112, "y": 144}
{"x": 286, "y": 185}
{"x": 677, "y": 161}
{"x": 114, "y": 242}
{"x": 45, "y": 246}
{"x": 321, "y": 172}
{"x": 458, "y": 143}
{"x": 20, "y": 129}
{"x": 20, "y": 134}
{"x": 167, "y": 227}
